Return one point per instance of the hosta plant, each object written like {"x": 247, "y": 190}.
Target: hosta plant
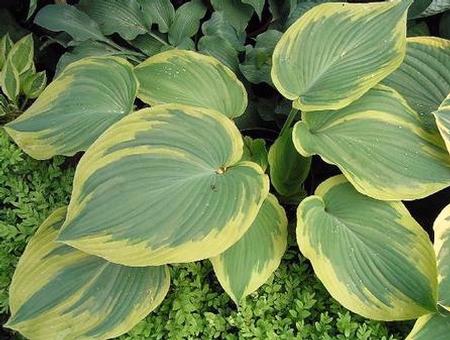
{"x": 18, "y": 77}
{"x": 177, "y": 182}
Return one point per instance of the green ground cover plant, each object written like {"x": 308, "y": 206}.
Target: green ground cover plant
{"x": 228, "y": 132}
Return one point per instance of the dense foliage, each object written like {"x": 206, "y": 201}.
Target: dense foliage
{"x": 194, "y": 128}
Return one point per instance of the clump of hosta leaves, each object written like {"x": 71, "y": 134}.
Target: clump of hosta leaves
{"x": 19, "y": 80}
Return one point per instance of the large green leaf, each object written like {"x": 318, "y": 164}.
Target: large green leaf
{"x": 87, "y": 97}
{"x": 442, "y": 248}
{"x": 337, "y": 51}
{"x": 431, "y": 327}
{"x": 69, "y": 19}
{"x": 58, "y": 292}
{"x": 116, "y": 16}
{"x": 371, "y": 255}
{"x": 164, "y": 185}
{"x": 423, "y": 78}
{"x": 247, "y": 264}
{"x": 379, "y": 144}
{"x": 186, "y": 21}
{"x": 442, "y": 116}
{"x": 191, "y": 78}
{"x": 288, "y": 169}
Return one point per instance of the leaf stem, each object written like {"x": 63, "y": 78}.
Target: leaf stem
{"x": 289, "y": 120}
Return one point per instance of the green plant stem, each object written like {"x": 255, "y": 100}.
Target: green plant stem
{"x": 289, "y": 120}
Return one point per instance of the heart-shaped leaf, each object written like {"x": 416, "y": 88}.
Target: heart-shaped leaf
{"x": 371, "y": 255}
{"x": 164, "y": 185}
{"x": 87, "y": 97}
{"x": 247, "y": 264}
{"x": 186, "y": 77}
{"x": 379, "y": 144}
{"x": 60, "y": 292}
{"x": 337, "y": 51}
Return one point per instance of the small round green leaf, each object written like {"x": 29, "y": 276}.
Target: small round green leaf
{"x": 423, "y": 78}
{"x": 371, "y": 255}
{"x": 186, "y": 77}
{"x": 431, "y": 327}
{"x": 442, "y": 248}
{"x": 380, "y": 145}
{"x": 86, "y": 98}
{"x": 247, "y": 264}
{"x": 58, "y": 292}
{"x": 164, "y": 185}
{"x": 336, "y": 52}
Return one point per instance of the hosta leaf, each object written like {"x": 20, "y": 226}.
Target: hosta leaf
{"x": 423, "y": 78}
{"x": 220, "y": 49}
{"x": 255, "y": 151}
{"x": 247, "y": 264}
{"x": 442, "y": 116}
{"x": 21, "y": 54}
{"x": 436, "y": 6}
{"x": 442, "y": 248}
{"x": 431, "y": 327}
{"x": 288, "y": 169}
{"x": 31, "y": 8}
{"x": 10, "y": 80}
{"x": 186, "y": 21}
{"x": 87, "y": 97}
{"x": 5, "y": 46}
{"x": 235, "y": 12}
{"x": 88, "y": 48}
{"x": 59, "y": 292}
{"x": 188, "y": 197}
{"x": 258, "y": 59}
{"x": 191, "y": 78}
{"x": 379, "y": 144}
{"x": 34, "y": 85}
{"x": 358, "y": 45}
{"x": 218, "y": 26}
{"x": 148, "y": 44}
{"x": 160, "y": 12}
{"x": 257, "y": 5}
{"x": 417, "y": 8}
{"x": 371, "y": 255}
{"x": 116, "y": 16}
{"x": 69, "y": 19}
